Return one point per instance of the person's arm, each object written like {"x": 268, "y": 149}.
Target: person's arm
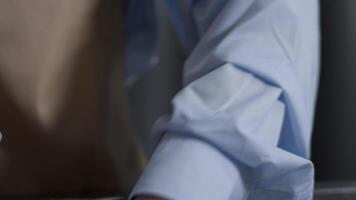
{"x": 241, "y": 125}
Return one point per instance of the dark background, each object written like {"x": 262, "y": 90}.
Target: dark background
{"x": 334, "y": 139}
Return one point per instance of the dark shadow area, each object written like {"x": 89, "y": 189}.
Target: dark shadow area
{"x": 334, "y": 139}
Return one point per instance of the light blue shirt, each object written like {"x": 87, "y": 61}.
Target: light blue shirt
{"x": 241, "y": 126}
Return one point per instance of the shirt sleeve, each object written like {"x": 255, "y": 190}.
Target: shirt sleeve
{"x": 241, "y": 126}
{"x": 186, "y": 168}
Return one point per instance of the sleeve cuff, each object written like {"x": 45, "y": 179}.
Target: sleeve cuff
{"x": 188, "y": 169}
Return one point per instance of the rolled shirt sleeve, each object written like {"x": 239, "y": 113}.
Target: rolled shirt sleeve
{"x": 241, "y": 126}
{"x": 186, "y": 168}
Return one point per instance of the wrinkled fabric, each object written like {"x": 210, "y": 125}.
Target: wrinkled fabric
{"x": 241, "y": 126}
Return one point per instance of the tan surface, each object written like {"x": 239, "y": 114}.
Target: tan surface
{"x": 65, "y": 128}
